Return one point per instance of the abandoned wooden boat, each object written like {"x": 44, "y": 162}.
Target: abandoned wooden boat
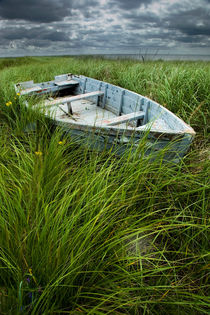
{"x": 115, "y": 116}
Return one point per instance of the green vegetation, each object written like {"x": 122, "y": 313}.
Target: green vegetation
{"x": 92, "y": 233}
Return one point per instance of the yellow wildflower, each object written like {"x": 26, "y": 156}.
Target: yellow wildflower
{"x": 8, "y": 103}
{"x": 18, "y": 94}
{"x": 61, "y": 142}
{"x": 38, "y": 153}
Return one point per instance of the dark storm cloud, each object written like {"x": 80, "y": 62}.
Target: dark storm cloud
{"x": 140, "y": 20}
{"x": 43, "y": 11}
{"x": 53, "y": 25}
{"x": 84, "y": 4}
{"x": 131, "y": 4}
{"x": 35, "y": 10}
{"x": 187, "y": 26}
{"x": 37, "y": 33}
{"x": 190, "y": 22}
{"x": 185, "y": 39}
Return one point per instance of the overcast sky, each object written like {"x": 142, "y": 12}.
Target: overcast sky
{"x": 45, "y": 27}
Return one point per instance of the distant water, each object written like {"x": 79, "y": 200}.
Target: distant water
{"x": 157, "y": 57}
{"x": 141, "y": 56}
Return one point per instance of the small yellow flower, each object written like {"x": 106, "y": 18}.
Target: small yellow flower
{"x": 18, "y": 94}
{"x": 38, "y": 153}
{"x": 62, "y": 142}
{"x": 7, "y": 104}
{"x": 30, "y": 271}
{"x": 15, "y": 98}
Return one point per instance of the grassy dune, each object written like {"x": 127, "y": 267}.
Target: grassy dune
{"x": 92, "y": 233}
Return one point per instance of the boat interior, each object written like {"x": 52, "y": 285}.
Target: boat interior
{"x": 61, "y": 101}
{"x": 86, "y": 101}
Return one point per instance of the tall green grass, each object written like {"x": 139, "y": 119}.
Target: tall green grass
{"x": 92, "y": 233}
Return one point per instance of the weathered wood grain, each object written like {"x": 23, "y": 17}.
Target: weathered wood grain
{"x": 121, "y": 115}
{"x": 30, "y": 89}
{"x": 123, "y": 119}
{"x": 66, "y": 82}
{"x": 73, "y": 98}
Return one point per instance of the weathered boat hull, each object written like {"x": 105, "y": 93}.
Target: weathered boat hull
{"x": 133, "y": 116}
{"x": 173, "y": 147}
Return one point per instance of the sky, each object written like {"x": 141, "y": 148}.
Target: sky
{"x": 65, "y": 27}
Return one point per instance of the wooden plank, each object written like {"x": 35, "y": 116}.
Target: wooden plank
{"x": 146, "y": 112}
{"x": 99, "y": 86}
{"x": 84, "y": 86}
{"x": 25, "y": 85}
{"x": 121, "y": 102}
{"x": 70, "y": 111}
{"x": 105, "y": 94}
{"x": 66, "y": 82}
{"x": 122, "y": 119}
{"x": 73, "y": 98}
{"x": 30, "y": 90}
{"x": 99, "y": 89}
{"x": 139, "y": 121}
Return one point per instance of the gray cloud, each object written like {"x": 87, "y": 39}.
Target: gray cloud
{"x": 35, "y": 10}
{"x": 130, "y": 4}
{"x": 140, "y": 20}
{"x": 87, "y": 26}
{"x": 187, "y": 26}
{"x": 43, "y": 11}
{"x": 191, "y": 22}
{"x": 37, "y": 33}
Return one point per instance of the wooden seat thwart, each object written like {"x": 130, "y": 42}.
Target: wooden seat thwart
{"x": 66, "y": 82}
{"x": 122, "y": 119}
{"x": 70, "y": 99}
{"x": 26, "y": 91}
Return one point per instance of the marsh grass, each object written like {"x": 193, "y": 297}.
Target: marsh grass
{"x": 95, "y": 233}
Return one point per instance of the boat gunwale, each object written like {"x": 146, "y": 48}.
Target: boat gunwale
{"x": 112, "y": 130}
{"x": 188, "y": 128}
